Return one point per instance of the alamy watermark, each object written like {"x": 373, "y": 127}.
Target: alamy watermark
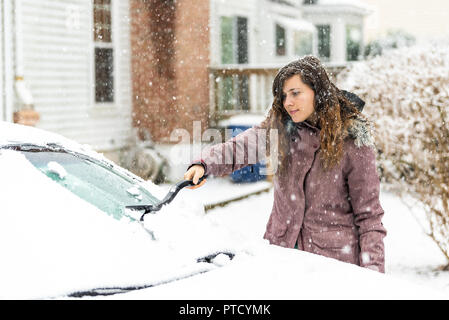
{"x": 247, "y": 149}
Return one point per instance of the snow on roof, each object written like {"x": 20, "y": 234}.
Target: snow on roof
{"x": 295, "y": 24}
{"x": 340, "y": 4}
{"x": 290, "y": 3}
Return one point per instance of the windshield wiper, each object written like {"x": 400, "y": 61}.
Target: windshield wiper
{"x": 53, "y": 147}
{"x": 150, "y": 208}
{"x": 29, "y": 147}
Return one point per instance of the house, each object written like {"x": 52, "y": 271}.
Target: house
{"x": 97, "y": 71}
{"x": 423, "y": 20}
{"x": 170, "y": 58}
{"x": 250, "y": 40}
{"x": 70, "y": 62}
{"x": 340, "y": 26}
{"x": 199, "y": 61}
{"x": 196, "y": 63}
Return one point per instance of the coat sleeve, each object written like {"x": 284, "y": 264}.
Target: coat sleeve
{"x": 364, "y": 189}
{"x": 244, "y": 149}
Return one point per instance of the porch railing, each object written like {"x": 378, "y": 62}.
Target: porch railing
{"x": 241, "y": 88}
{"x": 237, "y": 89}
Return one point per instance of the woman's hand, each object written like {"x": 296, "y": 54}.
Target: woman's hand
{"x": 195, "y": 173}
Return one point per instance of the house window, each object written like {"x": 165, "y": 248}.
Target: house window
{"x": 353, "y": 42}
{"x": 227, "y": 41}
{"x": 234, "y": 50}
{"x": 103, "y": 51}
{"x": 324, "y": 41}
{"x": 242, "y": 40}
{"x": 303, "y": 43}
{"x": 234, "y": 40}
{"x": 280, "y": 41}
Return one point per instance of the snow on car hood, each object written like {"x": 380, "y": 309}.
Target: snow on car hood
{"x": 273, "y": 273}
{"x": 54, "y": 243}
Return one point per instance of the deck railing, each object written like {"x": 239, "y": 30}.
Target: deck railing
{"x": 236, "y": 89}
{"x": 241, "y": 88}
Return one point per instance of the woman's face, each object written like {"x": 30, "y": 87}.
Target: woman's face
{"x": 298, "y": 99}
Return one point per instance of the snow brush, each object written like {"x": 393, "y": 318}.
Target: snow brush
{"x": 149, "y": 208}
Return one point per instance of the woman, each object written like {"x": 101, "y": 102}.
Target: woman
{"x": 326, "y": 188}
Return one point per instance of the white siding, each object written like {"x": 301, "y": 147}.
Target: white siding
{"x": 2, "y": 72}
{"x": 58, "y": 64}
{"x": 262, "y": 17}
{"x": 337, "y": 18}
{"x": 6, "y": 60}
{"x": 230, "y": 8}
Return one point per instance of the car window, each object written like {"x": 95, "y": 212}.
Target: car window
{"x": 98, "y": 184}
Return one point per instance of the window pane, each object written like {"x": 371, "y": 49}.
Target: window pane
{"x": 353, "y": 42}
{"x": 234, "y": 90}
{"x": 242, "y": 40}
{"x": 280, "y": 41}
{"x": 324, "y": 41}
{"x": 243, "y": 92}
{"x": 227, "y": 93}
{"x": 102, "y": 20}
{"x": 104, "y": 84}
{"x": 303, "y": 43}
{"x": 227, "y": 43}
{"x": 234, "y": 93}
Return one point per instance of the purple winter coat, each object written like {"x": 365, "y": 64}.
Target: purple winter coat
{"x": 337, "y": 213}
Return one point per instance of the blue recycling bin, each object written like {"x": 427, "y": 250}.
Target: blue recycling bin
{"x": 251, "y": 173}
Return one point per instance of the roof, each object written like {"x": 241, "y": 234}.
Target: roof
{"x": 285, "y": 2}
{"x": 354, "y": 6}
{"x": 295, "y": 24}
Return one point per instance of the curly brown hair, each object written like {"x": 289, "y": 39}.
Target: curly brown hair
{"x": 333, "y": 110}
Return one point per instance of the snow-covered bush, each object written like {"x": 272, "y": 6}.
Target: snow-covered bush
{"x": 407, "y": 98}
{"x": 394, "y": 39}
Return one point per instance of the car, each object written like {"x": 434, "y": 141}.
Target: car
{"x": 66, "y": 232}
{"x": 67, "y": 229}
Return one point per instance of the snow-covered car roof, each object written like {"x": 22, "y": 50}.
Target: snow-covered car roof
{"x": 11, "y": 133}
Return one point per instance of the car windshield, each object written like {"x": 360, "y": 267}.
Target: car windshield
{"x": 92, "y": 181}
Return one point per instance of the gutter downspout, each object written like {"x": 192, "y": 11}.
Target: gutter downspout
{"x": 24, "y": 113}
{"x": 8, "y": 60}
{"x": 2, "y": 65}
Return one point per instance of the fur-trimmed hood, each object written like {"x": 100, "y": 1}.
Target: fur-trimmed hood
{"x": 360, "y": 128}
{"x": 361, "y": 131}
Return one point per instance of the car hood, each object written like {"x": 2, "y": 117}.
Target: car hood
{"x": 271, "y": 273}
